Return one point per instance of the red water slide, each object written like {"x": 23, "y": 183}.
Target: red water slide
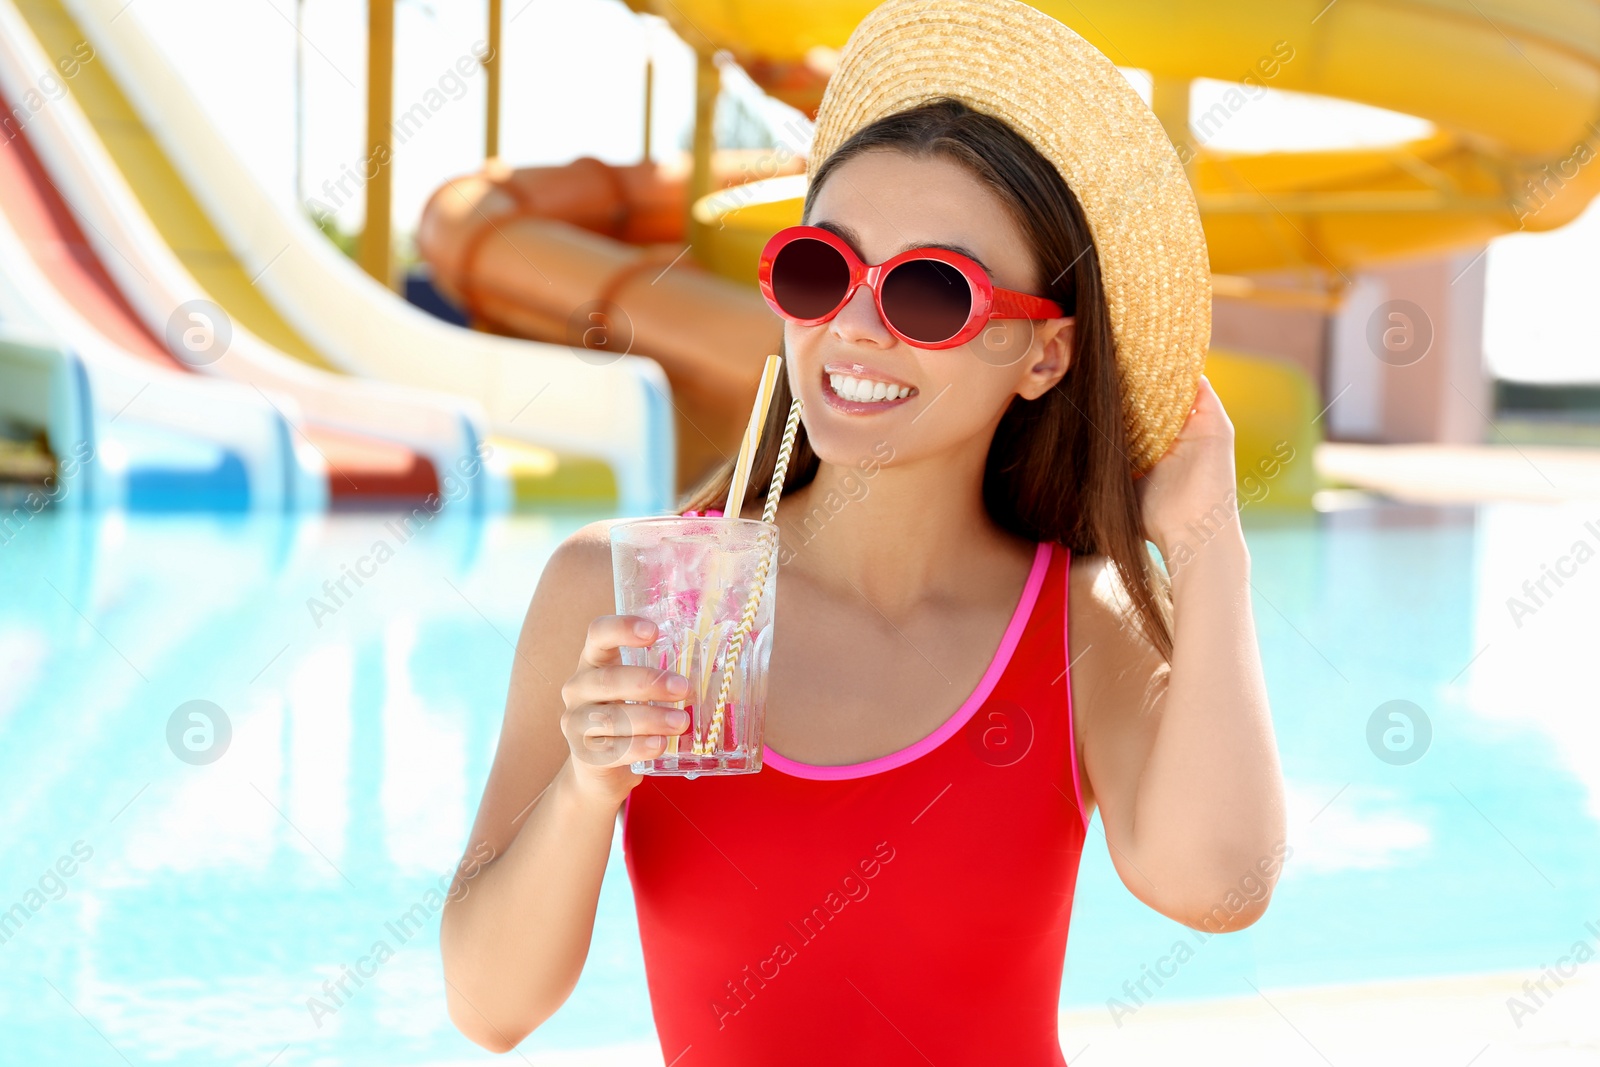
{"x": 361, "y": 470}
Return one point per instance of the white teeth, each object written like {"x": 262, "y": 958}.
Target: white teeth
{"x": 863, "y": 390}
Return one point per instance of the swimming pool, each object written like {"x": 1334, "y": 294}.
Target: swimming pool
{"x": 167, "y": 911}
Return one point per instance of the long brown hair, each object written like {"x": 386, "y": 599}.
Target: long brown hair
{"x": 1058, "y": 467}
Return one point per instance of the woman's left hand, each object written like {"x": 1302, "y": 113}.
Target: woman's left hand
{"x": 1191, "y": 489}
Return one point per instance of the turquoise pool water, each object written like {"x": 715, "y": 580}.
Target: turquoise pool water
{"x": 162, "y": 911}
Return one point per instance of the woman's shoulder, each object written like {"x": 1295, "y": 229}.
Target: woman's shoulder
{"x": 582, "y": 561}
{"x": 594, "y": 539}
{"x": 1100, "y": 592}
{"x": 589, "y": 538}
{"x": 578, "y": 572}
{"x": 1102, "y": 616}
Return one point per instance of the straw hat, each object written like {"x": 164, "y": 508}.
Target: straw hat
{"x": 1012, "y": 61}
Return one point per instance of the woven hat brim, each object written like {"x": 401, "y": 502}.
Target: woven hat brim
{"x": 1010, "y": 60}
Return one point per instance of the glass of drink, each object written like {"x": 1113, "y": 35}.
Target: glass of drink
{"x": 710, "y": 586}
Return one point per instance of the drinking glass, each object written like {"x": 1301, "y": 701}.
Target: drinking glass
{"x": 693, "y": 577}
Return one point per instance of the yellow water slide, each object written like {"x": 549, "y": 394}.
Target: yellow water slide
{"x": 1512, "y": 88}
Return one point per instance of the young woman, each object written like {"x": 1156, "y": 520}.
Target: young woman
{"x": 976, "y": 651}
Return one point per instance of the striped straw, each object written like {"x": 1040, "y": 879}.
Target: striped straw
{"x": 747, "y": 619}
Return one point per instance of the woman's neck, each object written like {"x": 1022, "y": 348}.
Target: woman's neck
{"x": 893, "y": 533}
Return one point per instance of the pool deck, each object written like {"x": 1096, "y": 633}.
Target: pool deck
{"x": 1463, "y": 474}
{"x": 1456, "y": 1022}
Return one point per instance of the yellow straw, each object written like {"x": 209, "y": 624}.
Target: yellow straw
{"x": 747, "y": 618}
{"x": 752, "y": 437}
{"x": 704, "y": 625}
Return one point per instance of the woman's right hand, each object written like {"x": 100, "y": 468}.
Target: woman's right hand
{"x": 604, "y": 735}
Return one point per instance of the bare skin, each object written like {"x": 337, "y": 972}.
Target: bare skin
{"x": 892, "y": 608}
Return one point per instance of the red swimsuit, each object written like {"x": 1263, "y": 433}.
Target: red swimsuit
{"x": 906, "y": 909}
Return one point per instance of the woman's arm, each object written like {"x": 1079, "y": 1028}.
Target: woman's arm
{"x": 1182, "y": 755}
{"x": 517, "y": 925}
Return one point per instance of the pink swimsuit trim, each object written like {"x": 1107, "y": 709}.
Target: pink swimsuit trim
{"x": 997, "y": 666}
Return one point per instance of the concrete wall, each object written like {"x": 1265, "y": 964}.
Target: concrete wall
{"x": 1402, "y": 359}
{"x": 1406, "y": 350}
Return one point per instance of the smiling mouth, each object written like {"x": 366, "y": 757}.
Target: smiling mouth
{"x": 853, "y": 392}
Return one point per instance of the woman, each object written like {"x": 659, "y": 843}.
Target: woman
{"x": 977, "y": 649}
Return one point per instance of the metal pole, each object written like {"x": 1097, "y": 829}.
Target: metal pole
{"x": 649, "y": 95}
{"x": 706, "y": 83}
{"x": 491, "y": 67}
{"x": 374, "y": 251}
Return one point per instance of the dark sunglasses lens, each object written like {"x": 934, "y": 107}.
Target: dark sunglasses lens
{"x": 927, "y": 300}
{"x": 809, "y": 278}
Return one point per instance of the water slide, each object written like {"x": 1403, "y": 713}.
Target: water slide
{"x": 1512, "y": 89}
{"x": 381, "y": 444}
{"x": 562, "y": 425}
{"x": 129, "y": 427}
{"x": 609, "y": 240}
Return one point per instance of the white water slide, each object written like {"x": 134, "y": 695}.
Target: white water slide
{"x": 377, "y": 441}
{"x": 540, "y": 394}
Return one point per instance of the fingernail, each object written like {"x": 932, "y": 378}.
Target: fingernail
{"x": 656, "y": 741}
{"x": 678, "y": 684}
{"x": 643, "y": 628}
{"x": 677, "y": 719}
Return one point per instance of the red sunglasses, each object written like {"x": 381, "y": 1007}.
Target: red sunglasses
{"x": 927, "y": 297}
